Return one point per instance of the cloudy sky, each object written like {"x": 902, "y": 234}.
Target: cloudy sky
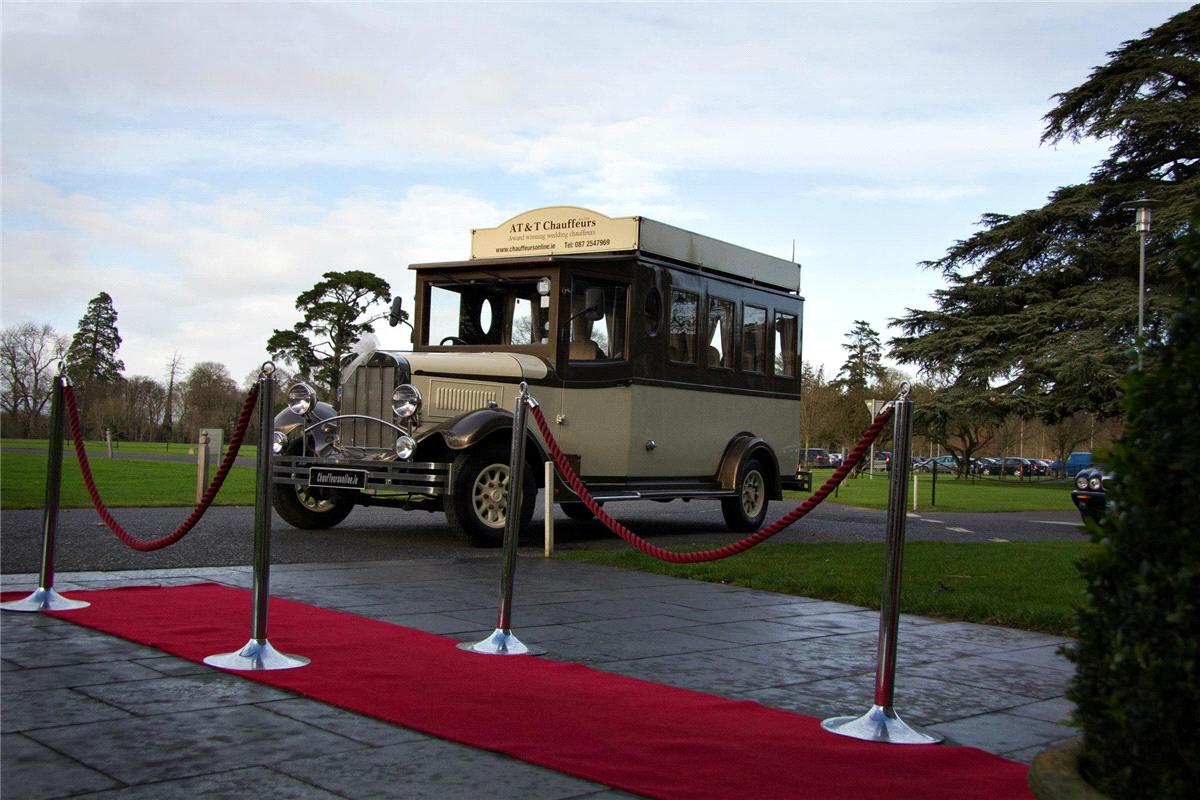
{"x": 204, "y": 163}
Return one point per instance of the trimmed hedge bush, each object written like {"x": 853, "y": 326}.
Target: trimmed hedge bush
{"x": 1137, "y": 682}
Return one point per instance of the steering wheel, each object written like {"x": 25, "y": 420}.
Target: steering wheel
{"x": 451, "y": 340}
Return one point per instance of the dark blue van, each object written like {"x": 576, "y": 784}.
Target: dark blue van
{"x": 1076, "y": 462}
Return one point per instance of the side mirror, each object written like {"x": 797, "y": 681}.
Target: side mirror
{"x": 593, "y": 299}
{"x": 397, "y": 314}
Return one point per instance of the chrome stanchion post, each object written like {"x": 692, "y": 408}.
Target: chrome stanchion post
{"x": 503, "y": 641}
{"x": 881, "y": 723}
{"x": 258, "y": 654}
{"x": 44, "y": 598}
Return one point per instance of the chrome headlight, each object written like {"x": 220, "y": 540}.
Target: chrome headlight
{"x": 405, "y": 446}
{"x": 1095, "y": 483}
{"x": 1081, "y": 482}
{"x": 301, "y": 398}
{"x": 279, "y": 441}
{"x": 406, "y": 400}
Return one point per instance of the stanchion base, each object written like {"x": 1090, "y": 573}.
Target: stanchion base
{"x": 880, "y": 724}
{"x": 257, "y": 654}
{"x": 44, "y": 600}
{"x": 502, "y": 643}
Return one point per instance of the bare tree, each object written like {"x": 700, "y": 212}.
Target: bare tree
{"x": 1068, "y": 434}
{"x": 27, "y": 354}
{"x": 142, "y": 406}
{"x": 174, "y": 367}
{"x": 211, "y": 399}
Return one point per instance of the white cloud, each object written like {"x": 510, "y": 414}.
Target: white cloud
{"x": 212, "y": 280}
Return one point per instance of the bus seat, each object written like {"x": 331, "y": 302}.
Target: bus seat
{"x": 680, "y": 348}
{"x": 714, "y": 356}
{"x": 749, "y": 354}
{"x": 585, "y": 350}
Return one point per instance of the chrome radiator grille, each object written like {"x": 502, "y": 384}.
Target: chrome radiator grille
{"x": 369, "y": 393}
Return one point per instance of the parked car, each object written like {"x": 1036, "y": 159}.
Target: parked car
{"x": 1089, "y": 494}
{"x": 1078, "y": 461}
{"x": 940, "y": 463}
{"x": 816, "y": 457}
{"x": 1001, "y": 466}
{"x": 1015, "y": 465}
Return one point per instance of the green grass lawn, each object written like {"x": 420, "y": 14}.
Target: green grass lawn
{"x": 122, "y": 482}
{"x": 1031, "y": 585}
{"x": 1010, "y": 494}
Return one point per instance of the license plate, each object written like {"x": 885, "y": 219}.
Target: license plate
{"x": 334, "y": 478}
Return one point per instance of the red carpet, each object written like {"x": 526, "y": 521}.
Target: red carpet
{"x": 642, "y": 737}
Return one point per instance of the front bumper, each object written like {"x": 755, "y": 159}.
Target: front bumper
{"x": 401, "y": 477}
{"x": 1091, "y": 504}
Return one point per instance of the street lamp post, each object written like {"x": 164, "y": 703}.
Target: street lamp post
{"x": 1142, "y": 225}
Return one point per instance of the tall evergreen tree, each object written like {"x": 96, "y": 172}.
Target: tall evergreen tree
{"x": 1042, "y": 306}
{"x": 331, "y": 324}
{"x": 864, "y": 358}
{"x": 92, "y": 357}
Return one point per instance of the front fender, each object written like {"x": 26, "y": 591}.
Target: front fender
{"x": 468, "y": 430}
{"x": 292, "y": 425}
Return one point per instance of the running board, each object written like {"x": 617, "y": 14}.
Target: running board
{"x": 677, "y": 494}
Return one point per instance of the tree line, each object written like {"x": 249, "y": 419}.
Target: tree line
{"x": 835, "y": 410}
{"x": 134, "y": 408}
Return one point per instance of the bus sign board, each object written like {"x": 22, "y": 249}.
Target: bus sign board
{"x": 555, "y": 231}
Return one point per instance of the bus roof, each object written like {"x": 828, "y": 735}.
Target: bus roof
{"x": 570, "y": 230}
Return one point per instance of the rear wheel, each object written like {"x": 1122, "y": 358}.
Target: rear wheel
{"x": 748, "y": 509}
{"x": 478, "y": 505}
{"x": 309, "y": 508}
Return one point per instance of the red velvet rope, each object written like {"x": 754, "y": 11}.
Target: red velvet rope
{"x": 156, "y": 544}
{"x": 576, "y": 484}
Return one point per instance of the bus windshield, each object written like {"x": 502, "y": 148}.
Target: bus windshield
{"x": 509, "y": 312}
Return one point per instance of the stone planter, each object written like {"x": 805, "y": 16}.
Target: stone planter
{"x": 1054, "y": 774}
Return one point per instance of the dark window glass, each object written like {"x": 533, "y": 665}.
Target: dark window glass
{"x": 785, "y": 353}
{"x": 684, "y": 307}
{"x": 754, "y": 339}
{"x": 653, "y": 311}
{"x": 720, "y": 333}
{"x": 597, "y": 319}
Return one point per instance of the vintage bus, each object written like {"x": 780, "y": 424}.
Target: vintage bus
{"x": 667, "y": 363}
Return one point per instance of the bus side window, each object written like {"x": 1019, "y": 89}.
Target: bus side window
{"x": 597, "y": 319}
{"x": 720, "y": 333}
{"x": 754, "y": 339}
{"x": 785, "y": 358}
{"x": 684, "y": 306}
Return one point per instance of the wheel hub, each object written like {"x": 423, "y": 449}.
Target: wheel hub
{"x": 490, "y": 495}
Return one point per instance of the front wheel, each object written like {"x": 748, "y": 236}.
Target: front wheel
{"x": 478, "y": 505}
{"x": 311, "y": 509}
{"x": 747, "y": 511}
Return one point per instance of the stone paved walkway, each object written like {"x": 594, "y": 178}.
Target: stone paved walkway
{"x": 86, "y": 715}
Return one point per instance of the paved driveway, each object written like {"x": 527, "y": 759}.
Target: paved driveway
{"x": 224, "y": 537}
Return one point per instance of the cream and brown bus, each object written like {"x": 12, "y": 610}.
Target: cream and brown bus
{"x": 666, "y": 362}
